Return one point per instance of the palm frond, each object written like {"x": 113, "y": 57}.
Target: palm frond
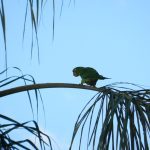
{"x": 14, "y": 125}
{"x": 116, "y": 118}
{"x": 3, "y": 23}
{"x": 53, "y": 18}
{"x": 7, "y": 142}
{"x": 33, "y": 10}
{"x": 6, "y": 81}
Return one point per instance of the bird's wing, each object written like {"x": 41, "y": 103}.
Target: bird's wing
{"x": 90, "y": 73}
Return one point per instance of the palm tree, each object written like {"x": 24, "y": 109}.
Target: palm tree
{"x": 117, "y": 117}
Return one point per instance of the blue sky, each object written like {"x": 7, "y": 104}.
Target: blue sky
{"x": 111, "y": 36}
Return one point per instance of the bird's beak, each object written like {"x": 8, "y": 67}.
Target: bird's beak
{"x": 75, "y": 74}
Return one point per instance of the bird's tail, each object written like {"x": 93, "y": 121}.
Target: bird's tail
{"x": 103, "y": 78}
{"x": 106, "y": 78}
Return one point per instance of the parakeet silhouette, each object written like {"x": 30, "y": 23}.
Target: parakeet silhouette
{"x": 88, "y": 75}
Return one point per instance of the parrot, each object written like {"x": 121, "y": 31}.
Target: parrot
{"x": 88, "y": 75}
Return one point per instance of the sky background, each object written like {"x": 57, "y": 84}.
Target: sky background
{"x": 111, "y": 36}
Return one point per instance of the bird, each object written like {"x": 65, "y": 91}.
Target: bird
{"x": 88, "y": 75}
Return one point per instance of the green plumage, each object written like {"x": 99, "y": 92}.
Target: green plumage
{"x": 88, "y": 75}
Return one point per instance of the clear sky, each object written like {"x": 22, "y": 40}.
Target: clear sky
{"x": 111, "y": 36}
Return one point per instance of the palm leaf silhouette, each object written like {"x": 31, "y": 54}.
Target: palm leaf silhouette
{"x": 116, "y": 118}
{"x": 9, "y": 125}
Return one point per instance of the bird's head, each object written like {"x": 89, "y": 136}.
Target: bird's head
{"x": 77, "y": 71}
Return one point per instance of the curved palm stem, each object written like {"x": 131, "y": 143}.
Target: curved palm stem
{"x": 49, "y": 85}
{"x": 106, "y": 89}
